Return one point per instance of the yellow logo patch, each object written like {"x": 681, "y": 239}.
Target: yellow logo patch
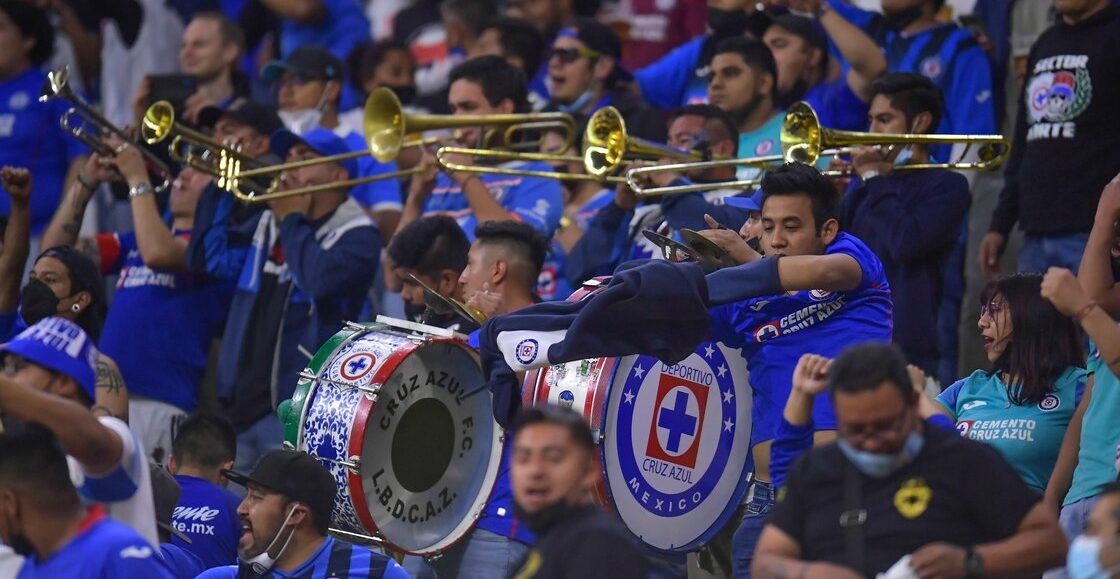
{"x": 913, "y": 498}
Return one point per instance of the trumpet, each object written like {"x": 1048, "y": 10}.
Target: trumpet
{"x": 57, "y": 85}
{"x": 804, "y": 140}
{"x": 214, "y": 158}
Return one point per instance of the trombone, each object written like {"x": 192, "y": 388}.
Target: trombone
{"x": 804, "y": 140}
{"x": 58, "y": 85}
{"x": 159, "y": 123}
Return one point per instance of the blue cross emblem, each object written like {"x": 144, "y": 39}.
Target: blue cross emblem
{"x": 357, "y": 365}
{"x": 677, "y": 421}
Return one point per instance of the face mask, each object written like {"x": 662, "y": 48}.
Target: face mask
{"x": 882, "y": 465}
{"x": 725, "y": 23}
{"x": 576, "y": 105}
{"x": 902, "y": 18}
{"x": 37, "y": 301}
{"x": 263, "y": 563}
{"x": 543, "y": 519}
{"x": 1084, "y": 561}
{"x": 406, "y": 94}
{"x": 303, "y": 120}
{"x": 903, "y": 157}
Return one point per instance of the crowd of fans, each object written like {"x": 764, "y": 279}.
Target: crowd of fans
{"x": 150, "y": 323}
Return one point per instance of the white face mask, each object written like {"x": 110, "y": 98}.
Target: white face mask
{"x": 303, "y": 120}
{"x": 263, "y": 563}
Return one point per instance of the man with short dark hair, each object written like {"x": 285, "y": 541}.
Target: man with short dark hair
{"x": 434, "y": 249}
{"x": 894, "y": 493}
{"x": 284, "y": 521}
{"x": 586, "y": 74}
{"x": 206, "y": 512}
{"x": 45, "y": 521}
{"x": 817, "y": 290}
{"x": 553, "y": 470}
{"x": 910, "y": 219}
{"x": 744, "y": 82}
{"x": 485, "y": 85}
{"x": 503, "y": 266}
{"x": 518, "y": 42}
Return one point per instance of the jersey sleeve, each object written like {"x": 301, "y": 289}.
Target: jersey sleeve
{"x": 871, "y": 269}
{"x": 948, "y": 398}
{"x": 538, "y": 202}
{"x": 122, "y": 482}
{"x": 383, "y": 195}
{"x": 1093, "y": 361}
{"x": 969, "y": 97}
{"x": 664, "y": 82}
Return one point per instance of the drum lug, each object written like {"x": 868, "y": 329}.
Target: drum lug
{"x": 598, "y": 436}
{"x": 370, "y": 391}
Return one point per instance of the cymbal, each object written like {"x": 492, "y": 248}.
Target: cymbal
{"x": 445, "y": 305}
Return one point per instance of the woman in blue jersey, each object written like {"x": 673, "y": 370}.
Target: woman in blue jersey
{"x": 1024, "y": 405}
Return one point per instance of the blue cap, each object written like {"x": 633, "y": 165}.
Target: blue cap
{"x": 320, "y": 140}
{"x": 59, "y": 345}
{"x": 752, "y": 203}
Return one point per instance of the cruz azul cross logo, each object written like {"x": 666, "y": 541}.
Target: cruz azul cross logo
{"x": 674, "y": 434}
{"x": 356, "y": 366}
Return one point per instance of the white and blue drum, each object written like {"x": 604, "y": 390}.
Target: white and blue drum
{"x": 403, "y": 421}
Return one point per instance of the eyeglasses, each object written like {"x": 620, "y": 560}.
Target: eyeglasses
{"x": 889, "y": 428}
{"x": 570, "y": 55}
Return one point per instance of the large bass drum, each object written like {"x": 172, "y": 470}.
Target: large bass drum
{"x": 403, "y": 421}
{"x": 674, "y": 441}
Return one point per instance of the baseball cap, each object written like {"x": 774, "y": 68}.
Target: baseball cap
{"x": 808, "y": 29}
{"x": 309, "y": 61}
{"x": 263, "y": 119}
{"x": 750, "y": 203}
{"x": 320, "y": 140}
{"x": 295, "y": 475}
{"x": 166, "y": 492}
{"x": 59, "y": 345}
{"x": 600, "y": 38}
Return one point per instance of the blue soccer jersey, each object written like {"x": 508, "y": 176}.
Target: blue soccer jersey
{"x": 534, "y": 200}
{"x": 207, "y": 515}
{"x": 383, "y": 195}
{"x": 774, "y": 331}
{"x": 334, "y": 558}
{"x": 103, "y": 548}
{"x": 553, "y": 283}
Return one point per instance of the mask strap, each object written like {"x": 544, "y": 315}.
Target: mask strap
{"x": 264, "y": 562}
{"x": 323, "y": 97}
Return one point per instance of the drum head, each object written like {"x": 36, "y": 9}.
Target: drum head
{"x": 430, "y": 449}
{"x": 676, "y": 445}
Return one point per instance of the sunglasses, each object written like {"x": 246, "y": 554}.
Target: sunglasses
{"x": 570, "y": 55}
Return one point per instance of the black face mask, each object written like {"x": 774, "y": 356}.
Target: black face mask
{"x": 545, "y": 518}
{"x": 902, "y": 18}
{"x": 37, "y": 301}
{"x": 415, "y": 312}
{"x": 406, "y": 94}
{"x": 726, "y": 23}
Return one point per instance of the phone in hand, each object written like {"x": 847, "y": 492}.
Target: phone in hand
{"x": 174, "y": 88}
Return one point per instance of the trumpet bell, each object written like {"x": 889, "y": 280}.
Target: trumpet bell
{"x": 159, "y": 120}
{"x": 605, "y": 142}
{"x": 383, "y": 124}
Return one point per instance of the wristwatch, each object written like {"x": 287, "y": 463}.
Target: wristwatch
{"x": 973, "y": 564}
{"x": 141, "y": 189}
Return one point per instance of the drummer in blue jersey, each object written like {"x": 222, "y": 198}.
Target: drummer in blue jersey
{"x": 818, "y": 290}
{"x": 485, "y": 85}
{"x": 502, "y": 269}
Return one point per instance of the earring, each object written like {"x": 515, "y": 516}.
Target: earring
{"x": 75, "y": 308}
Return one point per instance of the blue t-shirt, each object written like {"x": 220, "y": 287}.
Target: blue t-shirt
{"x": 1028, "y": 436}
{"x": 31, "y": 137}
{"x": 534, "y": 200}
{"x": 344, "y": 27}
{"x": 765, "y": 140}
{"x": 553, "y": 283}
{"x": 1100, "y": 433}
{"x": 181, "y": 562}
{"x": 161, "y": 324}
{"x": 207, "y": 515}
{"x": 837, "y": 106}
{"x": 334, "y": 558}
{"x": 497, "y": 516}
{"x": 104, "y": 549}
{"x": 674, "y": 80}
{"x": 774, "y": 331}
{"x": 383, "y": 195}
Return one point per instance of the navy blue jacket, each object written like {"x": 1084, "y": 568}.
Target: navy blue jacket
{"x": 911, "y": 221}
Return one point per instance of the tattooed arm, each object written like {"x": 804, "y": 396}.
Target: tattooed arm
{"x": 67, "y": 221}
{"x": 112, "y": 395}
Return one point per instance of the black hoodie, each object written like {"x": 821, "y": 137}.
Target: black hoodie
{"x": 1067, "y": 135}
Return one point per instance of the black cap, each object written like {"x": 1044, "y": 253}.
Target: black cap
{"x": 307, "y": 60}
{"x": 808, "y": 29}
{"x": 262, "y": 118}
{"x": 295, "y": 475}
{"x": 600, "y": 38}
{"x": 166, "y": 492}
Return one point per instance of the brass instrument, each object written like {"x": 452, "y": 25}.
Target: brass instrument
{"x": 57, "y": 85}
{"x": 444, "y": 305}
{"x": 805, "y": 141}
{"x": 202, "y": 152}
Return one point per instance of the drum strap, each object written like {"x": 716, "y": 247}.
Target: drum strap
{"x": 853, "y": 518}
